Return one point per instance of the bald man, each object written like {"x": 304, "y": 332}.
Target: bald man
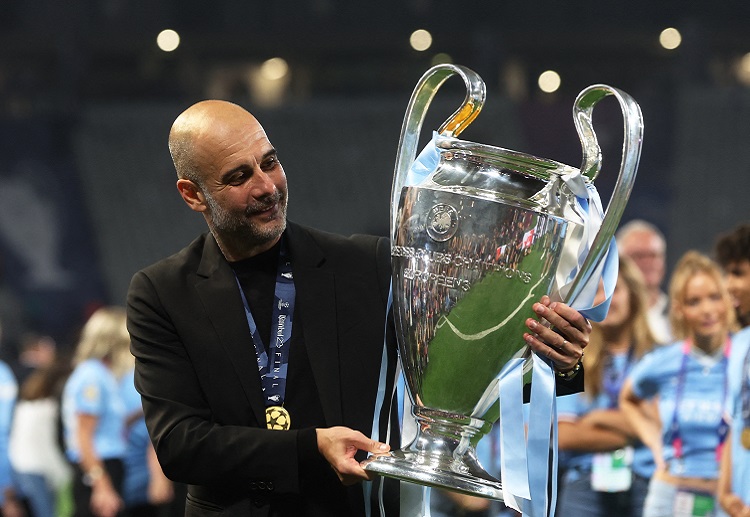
{"x": 645, "y": 245}
{"x": 259, "y": 346}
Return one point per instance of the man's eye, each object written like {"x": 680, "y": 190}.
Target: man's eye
{"x": 238, "y": 179}
{"x": 269, "y": 163}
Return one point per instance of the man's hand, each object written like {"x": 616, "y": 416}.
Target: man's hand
{"x": 564, "y": 345}
{"x": 338, "y": 445}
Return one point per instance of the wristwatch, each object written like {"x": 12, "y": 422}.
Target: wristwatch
{"x": 570, "y": 374}
{"x": 90, "y": 477}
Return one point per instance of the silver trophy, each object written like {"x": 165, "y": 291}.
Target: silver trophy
{"x": 474, "y": 244}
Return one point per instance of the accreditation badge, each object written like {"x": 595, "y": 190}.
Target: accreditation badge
{"x": 277, "y": 418}
{"x": 693, "y": 504}
{"x": 612, "y": 471}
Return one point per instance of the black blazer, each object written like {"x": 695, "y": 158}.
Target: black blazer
{"x": 196, "y": 369}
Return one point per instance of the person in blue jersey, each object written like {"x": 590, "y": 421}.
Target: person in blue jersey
{"x": 689, "y": 380}
{"x": 607, "y": 469}
{"x": 733, "y": 254}
{"x": 9, "y": 502}
{"x": 145, "y": 487}
{"x": 94, "y": 414}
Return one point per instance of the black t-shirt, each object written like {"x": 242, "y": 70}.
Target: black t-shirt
{"x": 257, "y": 276}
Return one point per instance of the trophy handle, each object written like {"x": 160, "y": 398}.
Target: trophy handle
{"x": 592, "y": 162}
{"x": 420, "y": 100}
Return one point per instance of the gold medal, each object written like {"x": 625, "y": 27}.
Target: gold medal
{"x": 745, "y": 438}
{"x": 278, "y": 418}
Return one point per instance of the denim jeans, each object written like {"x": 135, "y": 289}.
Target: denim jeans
{"x": 38, "y": 493}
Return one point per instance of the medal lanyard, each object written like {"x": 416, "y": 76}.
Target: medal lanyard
{"x": 674, "y": 430}
{"x": 613, "y": 378}
{"x": 273, "y": 372}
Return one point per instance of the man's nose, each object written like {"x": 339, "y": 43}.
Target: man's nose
{"x": 262, "y": 184}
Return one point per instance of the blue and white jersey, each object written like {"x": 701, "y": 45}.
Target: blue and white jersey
{"x": 573, "y": 407}
{"x": 739, "y": 374}
{"x": 699, "y": 410}
{"x": 93, "y": 390}
{"x": 8, "y": 395}
{"x": 135, "y": 485}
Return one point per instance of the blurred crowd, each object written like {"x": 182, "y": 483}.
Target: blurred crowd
{"x": 663, "y": 425}
{"x": 662, "y": 428}
{"x": 73, "y": 439}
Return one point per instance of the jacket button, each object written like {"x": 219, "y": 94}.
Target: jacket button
{"x": 270, "y": 485}
{"x": 261, "y": 485}
{"x": 253, "y": 485}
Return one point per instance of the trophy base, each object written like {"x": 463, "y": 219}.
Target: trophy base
{"x": 416, "y": 468}
{"x": 441, "y": 455}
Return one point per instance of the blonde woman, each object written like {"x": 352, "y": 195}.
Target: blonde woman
{"x": 605, "y": 474}
{"x": 689, "y": 379}
{"x": 94, "y": 413}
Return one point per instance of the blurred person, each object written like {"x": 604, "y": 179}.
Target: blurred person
{"x": 146, "y": 490}
{"x": 94, "y": 414}
{"x": 642, "y": 242}
{"x": 607, "y": 467}
{"x": 733, "y": 254}
{"x": 36, "y": 351}
{"x": 38, "y": 462}
{"x": 10, "y": 503}
{"x": 689, "y": 380}
{"x": 201, "y": 323}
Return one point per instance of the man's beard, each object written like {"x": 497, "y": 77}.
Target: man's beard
{"x": 239, "y": 229}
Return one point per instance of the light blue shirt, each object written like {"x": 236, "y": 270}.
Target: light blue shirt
{"x": 701, "y": 405}
{"x": 737, "y": 376}
{"x": 93, "y": 390}
{"x": 8, "y": 395}
{"x": 135, "y": 485}
{"x": 575, "y": 406}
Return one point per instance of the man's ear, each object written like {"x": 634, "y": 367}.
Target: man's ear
{"x": 192, "y": 195}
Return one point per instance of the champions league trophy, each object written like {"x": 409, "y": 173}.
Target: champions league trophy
{"x": 482, "y": 235}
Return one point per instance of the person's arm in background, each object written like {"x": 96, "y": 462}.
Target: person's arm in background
{"x": 105, "y": 501}
{"x": 640, "y": 414}
{"x": 160, "y": 489}
{"x": 729, "y": 501}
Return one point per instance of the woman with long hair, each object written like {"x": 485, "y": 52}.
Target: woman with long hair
{"x": 689, "y": 380}
{"x": 94, "y": 413}
{"x": 606, "y": 472}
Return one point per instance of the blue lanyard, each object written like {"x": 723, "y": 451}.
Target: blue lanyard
{"x": 673, "y": 434}
{"x": 745, "y": 390}
{"x": 273, "y": 372}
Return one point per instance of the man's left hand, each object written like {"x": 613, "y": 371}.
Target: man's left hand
{"x": 564, "y": 345}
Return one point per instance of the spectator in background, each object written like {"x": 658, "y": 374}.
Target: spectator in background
{"x": 608, "y": 469}
{"x": 36, "y": 351}
{"x": 94, "y": 414}
{"x": 38, "y": 462}
{"x": 689, "y": 380}
{"x": 642, "y": 242}
{"x": 9, "y": 502}
{"x": 733, "y": 254}
{"x": 145, "y": 488}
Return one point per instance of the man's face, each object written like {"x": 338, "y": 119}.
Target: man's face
{"x": 647, "y": 251}
{"x": 738, "y": 284}
{"x": 244, "y": 185}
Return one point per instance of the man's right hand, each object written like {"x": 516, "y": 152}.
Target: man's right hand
{"x": 338, "y": 445}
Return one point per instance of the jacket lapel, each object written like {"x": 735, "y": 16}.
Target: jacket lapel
{"x": 219, "y": 292}
{"x": 316, "y": 301}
